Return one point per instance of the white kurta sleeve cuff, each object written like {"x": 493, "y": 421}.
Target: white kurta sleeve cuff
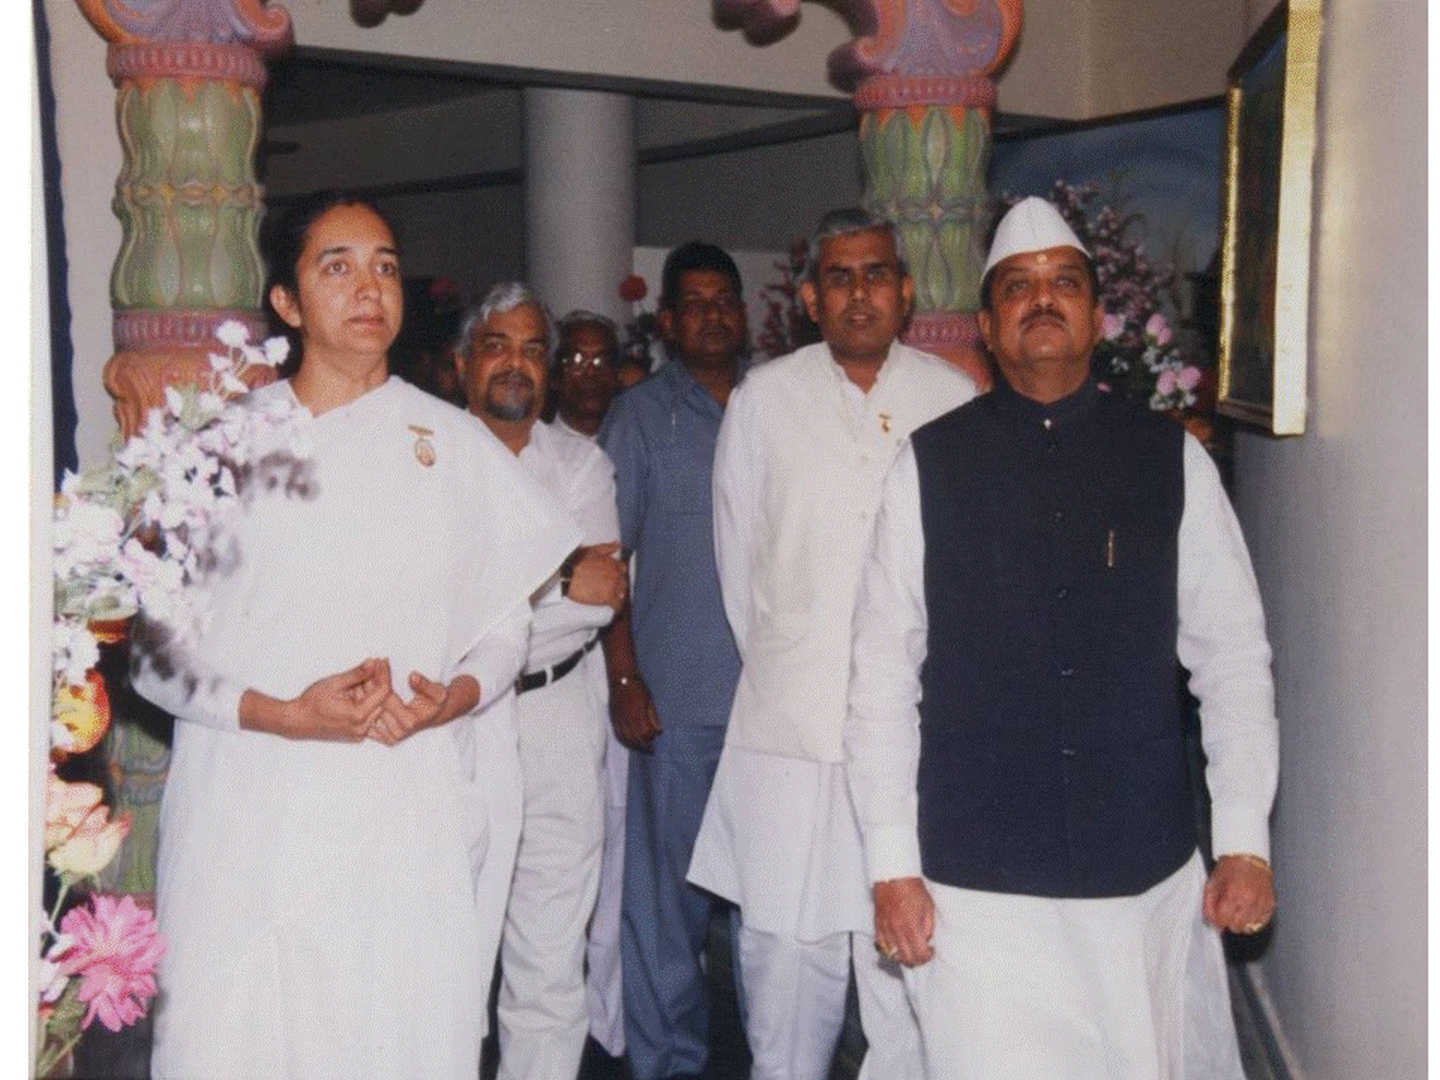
{"x": 1236, "y": 830}
{"x": 892, "y": 851}
{"x": 496, "y": 659}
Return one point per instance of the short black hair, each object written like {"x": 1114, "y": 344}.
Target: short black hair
{"x": 987, "y": 301}
{"x": 694, "y": 255}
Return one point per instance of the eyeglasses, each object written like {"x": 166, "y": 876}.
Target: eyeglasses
{"x": 581, "y": 362}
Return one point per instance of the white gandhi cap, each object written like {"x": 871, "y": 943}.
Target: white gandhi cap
{"x": 1032, "y": 224}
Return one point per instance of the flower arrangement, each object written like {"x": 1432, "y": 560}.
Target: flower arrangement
{"x": 139, "y": 529}
{"x": 131, "y": 536}
{"x": 99, "y": 960}
{"x": 1139, "y": 353}
{"x": 642, "y": 331}
{"x": 787, "y": 325}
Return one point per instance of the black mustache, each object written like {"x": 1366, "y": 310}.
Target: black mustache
{"x": 1044, "y": 313}
{"x": 513, "y": 379}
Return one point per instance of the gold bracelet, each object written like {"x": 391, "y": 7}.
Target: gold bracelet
{"x": 1253, "y": 860}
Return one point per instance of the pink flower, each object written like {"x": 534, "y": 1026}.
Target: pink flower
{"x": 1165, "y": 382}
{"x": 116, "y": 947}
{"x": 1112, "y": 326}
{"x": 1189, "y": 377}
{"x": 1157, "y": 329}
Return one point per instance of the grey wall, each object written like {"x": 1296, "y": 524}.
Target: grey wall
{"x": 760, "y": 198}
{"x": 1336, "y": 522}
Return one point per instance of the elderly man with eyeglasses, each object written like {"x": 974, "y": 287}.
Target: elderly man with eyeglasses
{"x": 586, "y": 372}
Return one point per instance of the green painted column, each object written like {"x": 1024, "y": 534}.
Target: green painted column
{"x": 188, "y": 78}
{"x": 922, "y": 75}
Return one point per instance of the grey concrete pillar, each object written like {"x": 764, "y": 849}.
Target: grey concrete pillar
{"x": 579, "y": 197}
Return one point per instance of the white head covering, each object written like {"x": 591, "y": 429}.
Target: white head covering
{"x": 1032, "y": 224}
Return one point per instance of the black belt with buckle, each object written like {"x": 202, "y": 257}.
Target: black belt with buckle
{"x": 533, "y": 680}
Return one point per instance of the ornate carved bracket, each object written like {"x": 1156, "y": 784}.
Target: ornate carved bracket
{"x": 899, "y": 37}
{"x": 188, "y": 75}
{"x": 263, "y": 28}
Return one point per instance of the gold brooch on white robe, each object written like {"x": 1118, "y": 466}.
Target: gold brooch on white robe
{"x": 424, "y": 448}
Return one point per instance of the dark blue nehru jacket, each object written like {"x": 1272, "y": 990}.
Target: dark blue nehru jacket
{"x": 1052, "y": 752}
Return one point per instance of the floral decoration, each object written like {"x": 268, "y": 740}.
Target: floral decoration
{"x": 787, "y": 325}
{"x": 130, "y": 537}
{"x": 642, "y": 332}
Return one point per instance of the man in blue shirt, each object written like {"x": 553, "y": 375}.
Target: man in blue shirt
{"x": 672, "y": 660}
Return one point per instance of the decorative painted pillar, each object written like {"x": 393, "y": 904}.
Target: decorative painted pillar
{"x": 922, "y": 81}
{"x": 188, "y": 75}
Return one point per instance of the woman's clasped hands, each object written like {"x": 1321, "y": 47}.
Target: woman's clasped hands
{"x": 358, "y": 704}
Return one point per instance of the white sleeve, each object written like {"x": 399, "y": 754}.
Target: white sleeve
{"x": 182, "y": 684}
{"x": 591, "y": 504}
{"x": 1223, "y": 644}
{"x": 736, "y": 486}
{"x": 882, "y": 730}
{"x": 496, "y": 658}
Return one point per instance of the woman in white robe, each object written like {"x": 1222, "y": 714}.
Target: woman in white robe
{"x": 324, "y": 827}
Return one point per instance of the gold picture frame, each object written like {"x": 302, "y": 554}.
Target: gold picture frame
{"x": 1265, "y": 250}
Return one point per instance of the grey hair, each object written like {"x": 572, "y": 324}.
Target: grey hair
{"x": 847, "y": 221}
{"x": 573, "y": 320}
{"x": 503, "y": 296}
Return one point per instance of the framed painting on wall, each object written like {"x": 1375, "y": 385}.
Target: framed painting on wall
{"x": 1265, "y": 247}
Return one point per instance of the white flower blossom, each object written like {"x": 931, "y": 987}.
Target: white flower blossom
{"x": 75, "y": 651}
{"x": 277, "y": 350}
{"x": 60, "y": 737}
{"x": 232, "y": 332}
{"x": 180, "y": 481}
{"x": 53, "y": 979}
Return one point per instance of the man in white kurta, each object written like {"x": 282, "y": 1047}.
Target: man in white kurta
{"x": 319, "y": 899}
{"x": 798, "y": 466}
{"x": 587, "y": 356}
{"x": 561, "y": 698}
{"x": 1069, "y": 941}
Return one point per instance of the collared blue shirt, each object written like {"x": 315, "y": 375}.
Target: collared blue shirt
{"x": 661, "y": 436}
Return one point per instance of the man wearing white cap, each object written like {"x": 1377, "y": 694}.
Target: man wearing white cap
{"x": 799, "y": 462}
{"x": 1044, "y": 559}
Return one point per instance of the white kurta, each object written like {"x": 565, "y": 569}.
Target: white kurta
{"x": 319, "y": 898}
{"x": 799, "y": 463}
{"x": 563, "y": 725}
{"x": 1083, "y": 967}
